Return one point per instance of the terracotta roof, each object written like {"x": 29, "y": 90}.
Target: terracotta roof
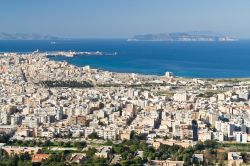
{"x": 38, "y": 158}
{"x": 220, "y": 150}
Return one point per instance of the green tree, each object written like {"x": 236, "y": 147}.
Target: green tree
{"x": 80, "y": 145}
{"x": 25, "y": 156}
{"x": 91, "y": 152}
{"x": 93, "y": 135}
{"x": 133, "y": 148}
{"x": 118, "y": 149}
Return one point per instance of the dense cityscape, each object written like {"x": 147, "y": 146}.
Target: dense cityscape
{"x": 54, "y": 113}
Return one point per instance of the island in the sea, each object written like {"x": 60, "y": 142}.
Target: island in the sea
{"x": 26, "y": 36}
{"x": 184, "y": 36}
{"x": 77, "y": 53}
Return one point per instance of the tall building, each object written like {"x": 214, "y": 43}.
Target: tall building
{"x": 230, "y": 129}
{"x": 169, "y": 74}
{"x": 180, "y": 97}
{"x": 241, "y": 137}
{"x": 195, "y": 130}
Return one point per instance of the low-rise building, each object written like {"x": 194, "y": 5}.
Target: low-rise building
{"x": 11, "y": 150}
{"x": 234, "y": 159}
{"x": 104, "y": 152}
{"x": 39, "y": 158}
{"x": 166, "y": 163}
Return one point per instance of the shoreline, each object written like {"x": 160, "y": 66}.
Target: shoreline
{"x": 73, "y": 54}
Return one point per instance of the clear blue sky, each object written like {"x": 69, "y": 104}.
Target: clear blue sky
{"x": 123, "y": 18}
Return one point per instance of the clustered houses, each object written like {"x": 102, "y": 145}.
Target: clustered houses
{"x": 182, "y": 110}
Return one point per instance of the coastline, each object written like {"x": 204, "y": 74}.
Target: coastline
{"x": 66, "y": 92}
{"x": 46, "y": 54}
{"x": 184, "y": 59}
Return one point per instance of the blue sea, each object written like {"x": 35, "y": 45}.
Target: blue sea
{"x": 188, "y": 59}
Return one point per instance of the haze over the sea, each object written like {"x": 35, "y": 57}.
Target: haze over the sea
{"x": 123, "y": 19}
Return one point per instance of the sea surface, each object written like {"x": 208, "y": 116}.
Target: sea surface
{"x": 188, "y": 59}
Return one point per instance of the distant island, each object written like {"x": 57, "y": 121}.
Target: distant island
{"x": 25, "y": 36}
{"x": 184, "y": 36}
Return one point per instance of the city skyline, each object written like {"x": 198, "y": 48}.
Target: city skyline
{"x": 124, "y": 83}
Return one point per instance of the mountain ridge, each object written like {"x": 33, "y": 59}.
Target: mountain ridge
{"x": 184, "y": 36}
{"x": 26, "y": 36}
